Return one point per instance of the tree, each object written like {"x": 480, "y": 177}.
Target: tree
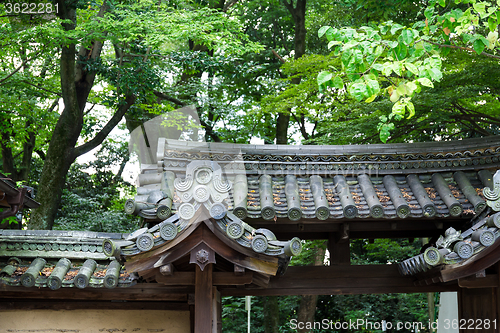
{"x": 140, "y": 33}
{"x": 399, "y": 61}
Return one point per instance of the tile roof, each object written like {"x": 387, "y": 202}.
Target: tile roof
{"x": 438, "y": 179}
{"x": 460, "y": 248}
{"x": 55, "y": 259}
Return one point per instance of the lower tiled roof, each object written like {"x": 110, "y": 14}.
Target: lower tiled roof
{"x": 55, "y": 259}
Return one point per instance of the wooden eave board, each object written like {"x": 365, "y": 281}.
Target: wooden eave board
{"x": 479, "y": 262}
{"x": 229, "y": 250}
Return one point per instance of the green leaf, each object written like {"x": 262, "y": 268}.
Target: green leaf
{"x": 358, "y": 91}
{"x": 425, "y": 82}
{"x": 429, "y": 11}
{"x": 492, "y": 24}
{"x": 492, "y": 39}
{"x": 394, "y": 96}
{"x": 478, "y": 46}
{"x": 371, "y": 98}
{"x": 411, "y": 87}
{"x": 322, "y": 31}
{"x": 338, "y": 83}
{"x": 407, "y": 36}
{"x": 395, "y": 28}
{"x": 401, "y": 89}
{"x": 346, "y": 57}
{"x": 399, "y": 108}
{"x": 324, "y": 77}
{"x": 332, "y": 34}
{"x": 442, "y": 3}
{"x": 387, "y": 69}
{"x": 333, "y": 43}
{"x": 396, "y": 67}
{"x": 373, "y": 87}
{"x": 479, "y": 7}
{"x": 378, "y": 67}
{"x": 435, "y": 74}
{"x": 411, "y": 109}
{"x": 401, "y": 51}
{"x": 412, "y": 68}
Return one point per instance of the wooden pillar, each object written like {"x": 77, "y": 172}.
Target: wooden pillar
{"x": 204, "y": 296}
{"x": 338, "y": 246}
{"x": 479, "y": 301}
{"x": 478, "y": 310}
{"x": 217, "y": 311}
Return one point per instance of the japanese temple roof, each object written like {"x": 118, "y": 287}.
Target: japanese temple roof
{"x": 458, "y": 254}
{"x": 273, "y": 185}
{"x": 401, "y": 158}
{"x": 31, "y": 258}
{"x": 242, "y": 206}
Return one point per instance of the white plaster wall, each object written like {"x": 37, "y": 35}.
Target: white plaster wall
{"x": 448, "y": 312}
{"x": 94, "y": 321}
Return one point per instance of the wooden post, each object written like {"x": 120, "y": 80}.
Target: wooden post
{"x": 217, "y": 311}
{"x": 338, "y": 246}
{"x": 203, "y": 300}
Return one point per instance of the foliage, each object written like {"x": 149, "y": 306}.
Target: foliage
{"x": 89, "y": 213}
{"x": 95, "y": 193}
{"x": 397, "y": 61}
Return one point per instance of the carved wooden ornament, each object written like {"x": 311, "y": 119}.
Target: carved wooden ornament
{"x": 202, "y": 255}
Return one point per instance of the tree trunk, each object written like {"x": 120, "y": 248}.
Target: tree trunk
{"x": 67, "y": 130}
{"x": 76, "y": 84}
{"x": 299, "y": 17}
{"x": 307, "y": 306}
{"x": 271, "y": 314}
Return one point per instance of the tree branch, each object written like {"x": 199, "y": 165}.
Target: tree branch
{"x": 103, "y": 133}
{"x": 47, "y": 90}
{"x": 169, "y": 98}
{"x": 228, "y": 5}
{"x": 278, "y": 56}
{"x": 458, "y": 48}
{"x": 19, "y": 68}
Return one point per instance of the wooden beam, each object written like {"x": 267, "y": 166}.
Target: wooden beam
{"x": 203, "y": 300}
{"x": 219, "y": 279}
{"x": 338, "y": 291}
{"x": 32, "y": 304}
{"x": 489, "y": 281}
{"x": 238, "y": 270}
{"x": 139, "y": 292}
{"x": 340, "y": 279}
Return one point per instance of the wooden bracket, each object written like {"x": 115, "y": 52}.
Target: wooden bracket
{"x": 202, "y": 255}
{"x": 338, "y": 246}
{"x": 343, "y": 235}
{"x": 167, "y": 270}
{"x": 438, "y": 224}
{"x": 238, "y": 270}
